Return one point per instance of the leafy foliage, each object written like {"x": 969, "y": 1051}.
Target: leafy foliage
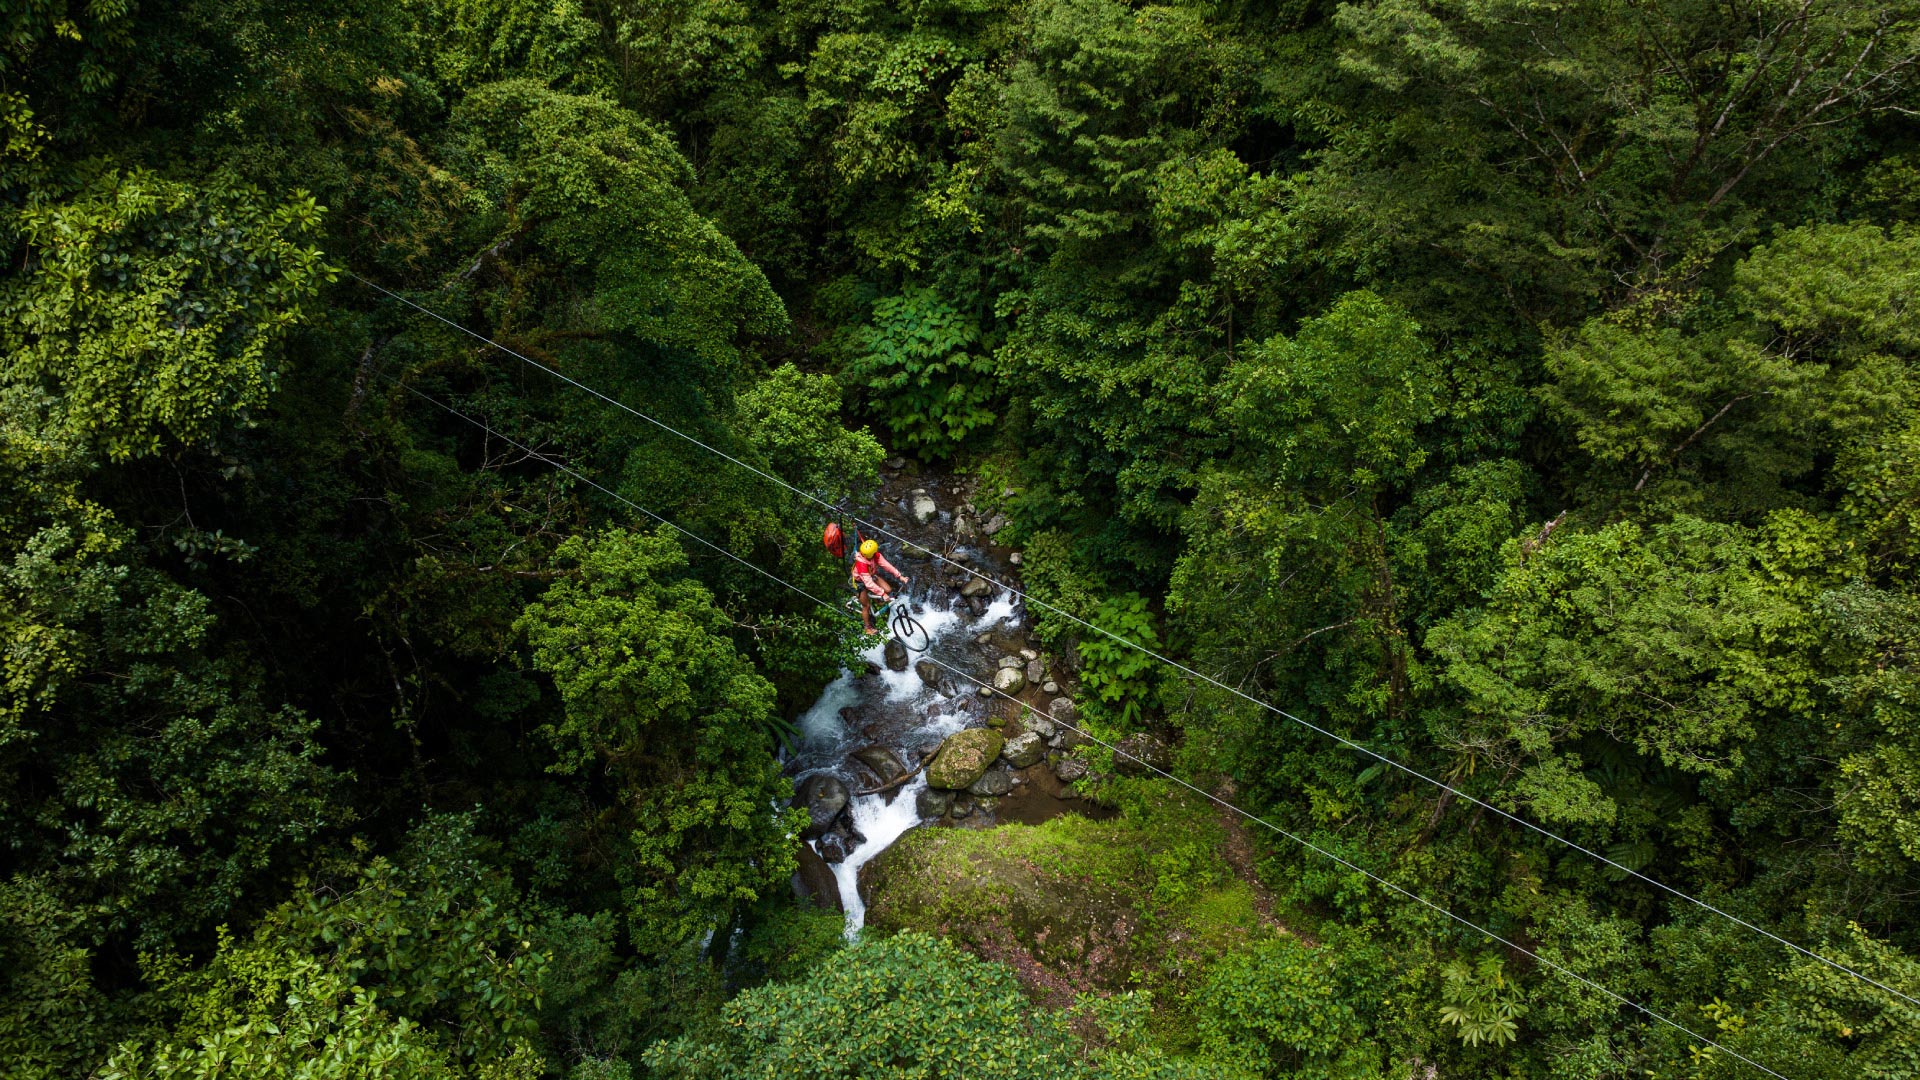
{"x": 918, "y": 360}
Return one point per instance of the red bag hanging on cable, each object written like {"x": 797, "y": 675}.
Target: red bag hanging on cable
{"x": 835, "y": 539}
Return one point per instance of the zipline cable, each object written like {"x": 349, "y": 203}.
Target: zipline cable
{"x": 834, "y": 609}
{"x": 1175, "y": 664}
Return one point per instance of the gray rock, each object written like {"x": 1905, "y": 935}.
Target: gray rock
{"x": 984, "y": 637}
{"x": 883, "y": 761}
{"x": 1023, "y": 750}
{"x": 964, "y": 757}
{"x": 1139, "y": 754}
{"x": 1070, "y": 769}
{"x": 822, "y": 797}
{"x": 964, "y": 529}
{"x": 814, "y": 880}
{"x": 922, "y": 507}
{"x": 975, "y": 587}
{"x": 933, "y": 803}
{"x": 1038, "y": 724}
{"x": 1006, "y": 662}
{"x": 1063, "y": 710}
{"x": 928, "y": 671}
{"x": 986, "y": 691}
{"x": 995, "y": 524}
{"x": 1009, "y": 680}
{"x": 963, "y": 805}
{"x": 896, "y": 463}
{"x": 1049, "y": 687}
{"x": 896, "y": 654}
{"x": 1014, "y": 558}
{"x": 1029, "y": 654}
{"x": 1036, "y": 671}
{"x": 994, "y": 782}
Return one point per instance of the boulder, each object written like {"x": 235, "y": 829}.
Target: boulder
{"x": 1049, "y": 687}
{"x": 933, "y": 803}
{"x": 992, "y": 783}
{"x": 922, "y": 507}
{"x": 1009, "y": 680}
{"x": 984, "y": 637}
{"x": 1038, "y": 724}
{"x": 964, "y": 528}
{"x": 928, "y": 671}
{"x": 975, "y": 587}
{"x": 883, "y": 761}
{"x": 823, "y": 797}
{"x": 962, "y": 806}
{"x": 896, "y": 654}
{"x": 1070, "y": 769}
{"x": 1064, "y": 711}
{"x": 1139, "y": 754}
{"x": 1023, "y": 750}
{"x": 963, "y": 757}
{"x": 1036, "y": 671}
{"x": 814, "y": 880}
{"x": 1029, "y": 654}
{"x": 1008, "y": 662}
{"x": 1014, "y": 558}
{"x": 994, "y": 525}
{"x": 896, "y": 463}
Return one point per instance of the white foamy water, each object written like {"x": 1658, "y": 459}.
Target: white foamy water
{"x": 881, "y": 823}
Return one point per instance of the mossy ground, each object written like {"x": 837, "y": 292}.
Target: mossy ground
{"x": 1149, "y": 899}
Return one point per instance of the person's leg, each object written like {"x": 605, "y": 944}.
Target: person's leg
{"x": 866, "y": 611}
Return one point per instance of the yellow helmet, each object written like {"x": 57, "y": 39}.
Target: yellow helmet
{"x": 869, "y": 548}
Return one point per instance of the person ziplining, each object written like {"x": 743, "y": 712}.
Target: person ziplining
{"x": 868, "y": 565}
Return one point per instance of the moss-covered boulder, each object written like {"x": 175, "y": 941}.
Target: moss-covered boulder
{"x": 1078, "y": 905}
{"x": 964, "y": 757}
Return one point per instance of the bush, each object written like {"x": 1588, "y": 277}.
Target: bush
{"x": 925, "y": 384}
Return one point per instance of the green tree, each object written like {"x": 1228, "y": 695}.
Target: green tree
{"x": 658, "y": 701}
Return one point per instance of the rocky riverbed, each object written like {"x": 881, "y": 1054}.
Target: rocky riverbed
{"x": 905, "y": 742}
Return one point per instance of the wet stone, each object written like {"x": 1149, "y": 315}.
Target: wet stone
{"x": 883, "y": 761}
{"x": 823, "y": 797}
{"x": 1049, "y": 687}
{"x": 1036, "y": 671}
{"x": 896, "y": 654}
{"x": 1009, "y": 680}
{"x": 814, "y": 881}
{"x": 928, "y": 671}
{"x": 975, "y": 587}
{"x": 933, "y": 803}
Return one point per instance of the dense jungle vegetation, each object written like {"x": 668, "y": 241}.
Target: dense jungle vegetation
{"x": 1524, "y": 390}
